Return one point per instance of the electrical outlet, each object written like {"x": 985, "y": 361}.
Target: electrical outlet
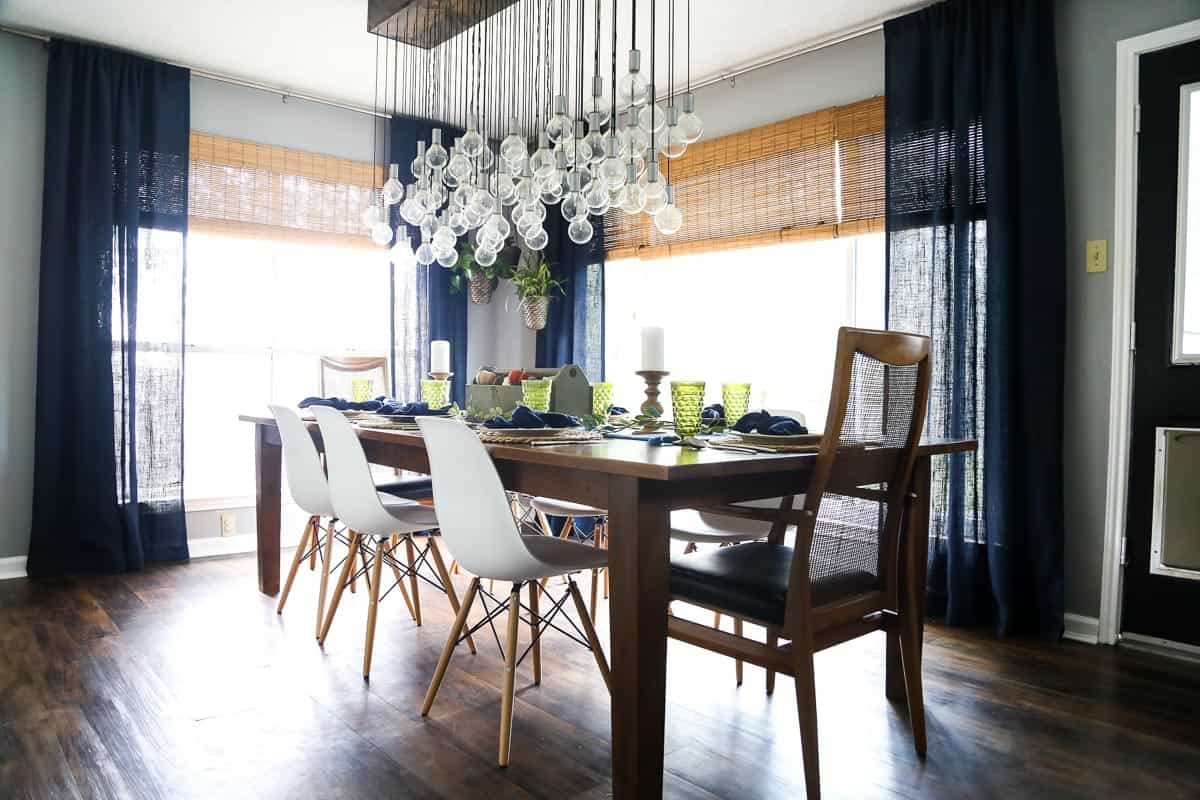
{"x": 228, "y": 524}
{"x": 1097, "y": 255}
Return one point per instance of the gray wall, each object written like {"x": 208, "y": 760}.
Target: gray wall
{"x": 835, "y": 75}
{"x": 1087, "y": 32}
{"x": 22, "y": 134}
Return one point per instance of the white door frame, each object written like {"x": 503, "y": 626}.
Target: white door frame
{"x": 1124, "y": 249}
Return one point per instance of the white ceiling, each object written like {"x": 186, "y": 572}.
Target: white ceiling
{"x": 322, "y": 48}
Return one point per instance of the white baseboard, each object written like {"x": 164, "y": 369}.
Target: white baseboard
{"x": 210, "y": 546}
{"x": 13, "y": 567}
{"x": 1079, "y": 628}
{"x": 1164, "y": 647}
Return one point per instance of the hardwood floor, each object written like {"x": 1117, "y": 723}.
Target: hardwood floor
{"x": 181, "y": 682}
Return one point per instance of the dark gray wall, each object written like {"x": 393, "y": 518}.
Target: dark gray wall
{"x": 1087, "y": 33}
{"x": 22, "y": 134}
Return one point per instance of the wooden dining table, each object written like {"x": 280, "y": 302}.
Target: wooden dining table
{"x": 640, "y": 485}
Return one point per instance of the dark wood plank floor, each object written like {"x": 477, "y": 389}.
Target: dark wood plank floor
{"x": 181, "y": 682}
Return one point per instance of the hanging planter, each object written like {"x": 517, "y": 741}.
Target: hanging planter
{"x": 480, "y": 288}
{"x": 535, "y": 285}
{"x": 535, "y": 311}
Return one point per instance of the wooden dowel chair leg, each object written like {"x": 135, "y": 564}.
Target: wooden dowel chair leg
{"x": 312, "y": 559}
{"x": 456, "y": 630}
{"x": 593, "y": 639}
{"x": 444, "y": 574}
{"x": 301, "y": 549}
{"x": 535, "y": 620}
{"x": 410, "y": 548}
{"x": 510, "y": 670}
{"x": 772, "y": 642}
{"x": 323, "y": 592}
{"x": 373, "y": 608}
{"x": 910, "y": 656}
{"x": 738, "y": 668}
{"x": 399, "y": 578}
{"x": 343, "y": 580}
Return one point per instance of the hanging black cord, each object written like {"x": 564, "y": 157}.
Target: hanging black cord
{"x": 612, "y": 115}
{"x": 374, "y": 116}
{"x": 652, "y": 99}
{"x": 689, "y": 46}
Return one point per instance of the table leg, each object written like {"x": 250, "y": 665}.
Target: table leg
{"x": 639, "y": 560}
{"x": 915, "y": 536}
{"x": 268, "y": 454}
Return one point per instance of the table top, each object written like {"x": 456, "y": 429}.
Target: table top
{"x": 638, "y": 459}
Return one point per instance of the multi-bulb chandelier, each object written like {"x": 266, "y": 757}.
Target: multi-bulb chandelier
{"x": 514, "y": 78}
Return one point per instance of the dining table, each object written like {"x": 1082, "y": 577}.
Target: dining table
{"x": 640, "y": 485}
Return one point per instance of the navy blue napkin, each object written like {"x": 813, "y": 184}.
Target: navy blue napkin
{"x": 617, "y": 410}
{"x": 713, "y": 413}
{"x": 394, "y": 409}
{"x": 342, "y": 404}
{"x": 523, "y": 417}
{"x": 764, "y": 422}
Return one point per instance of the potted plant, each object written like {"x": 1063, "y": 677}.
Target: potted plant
{"x": 535, "y": 286}
{"x": 479, "y": 280}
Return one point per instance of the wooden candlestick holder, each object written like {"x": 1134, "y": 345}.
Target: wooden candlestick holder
{"x": 653, "y": 378}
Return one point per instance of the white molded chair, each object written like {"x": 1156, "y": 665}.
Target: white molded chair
{"x": 697, "y": 526}
{"x": 373, "y": 520}
{"x": 306, "y": 481}
{"x": 478, "y": 524}
{"x": 547, "y": 506}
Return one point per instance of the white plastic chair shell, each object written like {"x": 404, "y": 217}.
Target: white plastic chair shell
{"x": 302, "y": 464}
{"x": 476, "y": 520}
{"x": 352, "y": 489}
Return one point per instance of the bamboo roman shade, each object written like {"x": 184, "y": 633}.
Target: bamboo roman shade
{"x": 815, "y": 176}
{"x": 250, "y": 189}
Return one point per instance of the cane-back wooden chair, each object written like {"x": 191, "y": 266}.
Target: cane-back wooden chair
{"x": 840, "y": 580}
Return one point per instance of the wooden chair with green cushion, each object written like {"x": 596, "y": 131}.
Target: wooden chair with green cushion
{"x": 841, "y": 579}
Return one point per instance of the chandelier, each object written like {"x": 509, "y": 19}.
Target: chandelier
{"x": 549, "y": 127}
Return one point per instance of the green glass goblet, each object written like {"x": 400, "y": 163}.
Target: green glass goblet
{"x": 687, "y": 402}
{"x": 736, "y": 399}
{"x": 602, "y": 395}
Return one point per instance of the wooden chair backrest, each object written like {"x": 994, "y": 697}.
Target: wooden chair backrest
{"x": 343, "y": 365}
{"x": 850, "y": 467}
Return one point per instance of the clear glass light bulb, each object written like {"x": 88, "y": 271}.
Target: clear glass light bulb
{"x": 560, "y": 126}
{"x": 436, "y": 155}
{"x": 691, "y": 126}
{"x": 573, "y": 206}
{"x": 513, "y": 147}
{"x": 458, "y": 223}
{"x": 635, "y": 198}
{"x": 656, "y": 193}
{"x": 393, "y": 190}
{"x": 485, "y": 257}
{"x": 534, "y": 211}
{"x": 669, "y": 220}
{"x": 675, "y": 144}
{"x": 419, "y": 167}
{"x": 632, "y": 88}
{"x": 598, "y": 199}
{"x": 424, "y": 254}
{"x": 580, "y": 231}
{"x": 537, "y": 239}
{"x": 371, "y": 215}
{"x": 448, "y": 259}
{"x": 485, "y": 159}
{"x": 500, "y": 225}
{"x": 595, "y": 139}
{"x": 472, "y": 141}
{"x": 652, "y": 117}
{"x": 381, "y": 233}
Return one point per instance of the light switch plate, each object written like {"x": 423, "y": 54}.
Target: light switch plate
{"x": 1097, "y": 255}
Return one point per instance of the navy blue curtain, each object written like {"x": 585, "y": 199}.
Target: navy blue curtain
{"x": 445, "y": 312}
{"x": 977, "y": 259}
{"x": 108, "y": 466}
{"x": 574, "y": 332}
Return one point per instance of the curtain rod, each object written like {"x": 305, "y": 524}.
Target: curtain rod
{"x": 220, "y": 77}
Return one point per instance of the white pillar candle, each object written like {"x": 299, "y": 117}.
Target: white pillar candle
{"x": 653, "y": 349}
{"x": 439, "y": 356}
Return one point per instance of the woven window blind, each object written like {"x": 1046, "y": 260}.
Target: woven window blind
{"x": 244, "y": 188}
{"x": 815, "y": 176}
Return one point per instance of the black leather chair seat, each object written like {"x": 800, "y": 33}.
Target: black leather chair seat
{"x": 751, "y": 580}
{"x": 409, "y": 488}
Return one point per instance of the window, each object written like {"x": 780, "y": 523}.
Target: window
{"x": 768, "y": 315}
{"x": 260, "y": 312}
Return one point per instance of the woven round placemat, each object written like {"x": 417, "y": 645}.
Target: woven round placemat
{"x": 499, "y": 436}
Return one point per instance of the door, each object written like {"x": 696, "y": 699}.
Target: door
{"x": 1162, "y": 565}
